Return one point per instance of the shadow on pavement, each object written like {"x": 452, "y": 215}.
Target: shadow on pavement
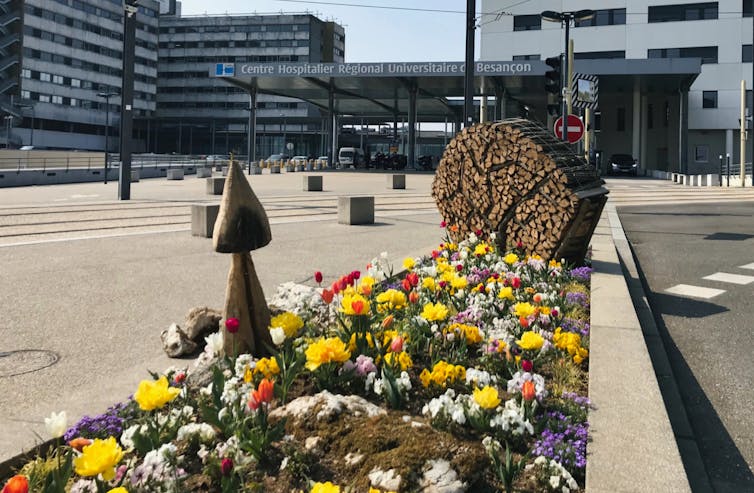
{"x": 668, "y": 304}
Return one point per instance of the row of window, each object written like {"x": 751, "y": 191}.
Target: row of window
{"x": 73, "y": 102}
{"x": 77, "y": 83}
{"x": 88, "y": 27}
{"x": 708, "y": 54}
{"x": 249, "y": 28}
{"x": 237, "y": 59}
{"x": 660, "y": 13}
{"x": 87, "y": 66}
{"x": 250, "y": 43}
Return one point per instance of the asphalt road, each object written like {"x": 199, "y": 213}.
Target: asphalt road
{"x": 710, "y": 341}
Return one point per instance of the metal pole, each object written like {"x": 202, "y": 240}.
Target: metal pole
{"x": 252, "y": 147}
{"x": 751, "y": 110}
{"x": 32, "y": 127}
{"x": 564, "y": 74}
{"x": 107, "y": 132}
{"x": 720, "y": 172}
{"x": 727, "y": 169}
{"x": 127, "y": 100}
{"x": 742, "y": 140}
{"x": 468, "y": 77}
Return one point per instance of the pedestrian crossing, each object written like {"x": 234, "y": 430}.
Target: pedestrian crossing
{"x": 649, "y": 191}
{"x": 703, "y": 292}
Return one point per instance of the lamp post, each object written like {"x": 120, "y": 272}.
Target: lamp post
{"x": 8, "y": 123}
{"x": 566, "y": 18}
{"x": 107, "y": 96}
{"x": 285, "y": 136}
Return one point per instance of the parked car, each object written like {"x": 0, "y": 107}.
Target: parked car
{"x": 351, "y": 156}
{"x": 622, "y": 163}
{"x": 299, "y": 159}
{"x": 217, "y": 160}
{"x": 278, "y": 157}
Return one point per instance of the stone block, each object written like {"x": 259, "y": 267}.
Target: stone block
{"x": 203, "y": 172}
{"x": 203, "y": 217}
{"x": 396, "y": 182}
{"x": 299, "y": 167}
{"x": 225, "y": 171}
{"x": 313, "y": 183}
{"x": 175, "y": 174}
{"x": 275, "y": 169}
{"x": 215, "y": 185}
{"x": 256, "y": 170}
{"x": 356, "y": 210}
{"x": 135, "y": 175}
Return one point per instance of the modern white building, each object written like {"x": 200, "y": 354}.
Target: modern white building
{"x": 638, "y": 117}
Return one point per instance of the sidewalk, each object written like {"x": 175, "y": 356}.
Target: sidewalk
{"x": 100, "y": 304}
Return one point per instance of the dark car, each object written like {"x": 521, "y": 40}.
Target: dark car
{"x": 622, "y": 163}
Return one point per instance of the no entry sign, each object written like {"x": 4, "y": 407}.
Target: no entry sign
{"x": 575, "y": 129}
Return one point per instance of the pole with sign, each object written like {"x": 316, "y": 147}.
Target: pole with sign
{"x": 574, "y": 130}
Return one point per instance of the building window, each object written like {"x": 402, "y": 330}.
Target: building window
{"x": 607, "y": 17}
{"x": 709, "y": 99}
{"x": 44, "y": 98}
{"x": 57, "y": 99}
{"x": 708, "y": 54}
{"x": 701, "y": 154}
{"x": 25, "y": 95}
{"x": 527, "y": 22}
{"x": 746, "y": 54}
{"x": 666, "y": 120}
{"x": 57, "y": 79}
{"x": 598, "y": 55}
{"x": 746, "y": 8}
{"x": 75, "y": 82}
{"x": 683, "y": 12}
{"x": 74, "y": 102}
{"x": 621, "y": 127}
{"x": 526, "y": 57}
{"x": 44, "y": 77}
{"x": 26, "y": 73}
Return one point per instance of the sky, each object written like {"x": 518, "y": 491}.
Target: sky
{"x": 372, "y": 34}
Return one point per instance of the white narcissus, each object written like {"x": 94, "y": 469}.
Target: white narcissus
{"x": 56, "y": 424}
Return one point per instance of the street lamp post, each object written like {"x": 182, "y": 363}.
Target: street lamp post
{"x": 566, "y": 18}
{"x": 8, "y": 123}
{"x": 31, "y": 135}
{"x": 285, "y": 135}
{"x": 107, "y": 96}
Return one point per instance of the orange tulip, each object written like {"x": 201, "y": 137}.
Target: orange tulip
{"x": 387, "y": 322}
{"x": 17, "y": 484}
{"x": 263, "y": 394}
{"x": 327, "y": 296}
{"x": 528, "y": 391}
{"x": 79, "y": 443}
{"x": 413, "y": 297}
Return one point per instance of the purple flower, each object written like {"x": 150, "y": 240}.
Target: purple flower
{"x": 110, "y": 423}
{"x": 577, "y": 298}
{"x": 564, "y": 441}
{"x": 582, "y": 274}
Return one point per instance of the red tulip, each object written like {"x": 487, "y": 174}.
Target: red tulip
{"x": 527, "y": 365}
{"x": 343, "y": 283}
{"x": 413, "y": 278}
{"x": 226, "y": 466}
{"x": 413, "y": 297}
{"x": 232, "y": 325}
{"x": 519, "y": 245}
{"x": 17, "y": 484}
{"x": 357, "y": 306}
{"x": 459, "y": 267}
{"x": 179, "y": 377}
{"x": 356, "y": 275}
{"x": 528, "y": 391}
{"x": 318, "y": 277}
{"x": 435, "y": 254}
{"x": 516, "y": 283}
{"x": 523, "y": 321}
{"x": 336, "y": 287}
{"x": 478, "y": 232}
{"x": 406, "y": 285}
{"x": 327, "y": 296}
{"x": 443, "y": 224}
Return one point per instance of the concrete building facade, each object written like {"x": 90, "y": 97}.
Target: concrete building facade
{"x": 635, "y": 120}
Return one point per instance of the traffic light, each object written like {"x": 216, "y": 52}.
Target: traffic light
{"x": 553, "y": 78}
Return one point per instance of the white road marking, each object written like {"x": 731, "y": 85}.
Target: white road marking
{"x": 747, "y": 266}
{"x": 731, "y": 278}
{"x": 79, "y": 238}
{"x": 694, "y": 291}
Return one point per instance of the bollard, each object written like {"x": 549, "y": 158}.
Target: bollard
{"x": 356, "y": 210}
{"x": 203, "y": 217}
{"x": 313, "y": 183}
{"x": 203, "y": 172}
{"x": 215, "y": 185}
{"x": 134, "y": 175}
{"x": 396, "y": 182}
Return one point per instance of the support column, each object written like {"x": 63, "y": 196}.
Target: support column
{"x": 499, "y": 104}
{"x": 643, "y": 146}
{"x": 483, "y": 105}
{"x": 126, "y": 102}
{"x": 412, "y": 127}
{"x": 213, "y": 138}
{"x": 729, "y": 141}
{"x": 251, "y": 144}
{"x": 683, "y": 132}
{"x": 636, "y": 121}
{"x": 331, "y": 124}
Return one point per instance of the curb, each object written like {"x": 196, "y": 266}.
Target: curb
{"x": 633, "y": 446}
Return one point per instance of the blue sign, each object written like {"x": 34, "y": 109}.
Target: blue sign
{"x": 225, "y": 70}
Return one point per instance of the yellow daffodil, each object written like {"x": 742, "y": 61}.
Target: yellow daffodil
{"x": 402, "y": 359}
{"x": 119, "y": 489}
{"x": 392, "y": 299}
{"x": 482, "y": 249}
{"x": 100, "y": 457}
{"x": 554, "y": 264}
{"x": 487, "y": 398}
{"x": 355, "y": 304}
{"x": 361, "y": 335}
{"x": 442, "y": 373}
{"x": 523, "y": 309}
{"x": 324, "y": 351}
{"x": 531, "y": 341}
{"x": 155, "y": 394}
{"x": 327, "y": 487}
{"x": 470, "y": 334}
{"x": 458, "y": 282}
{"x": 434, "y": 312}
{"x": 375, "y": 490}
{"x": 570, "y": 342}
{"x": 429, "y": 284}
{"x": 268, "y": 367}
{"x": 366, "y": 284}
{"x": 289, "y": 322}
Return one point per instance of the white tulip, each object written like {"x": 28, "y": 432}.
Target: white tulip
{"x": 278, "y": 335}
{"x": 56, "y": 424}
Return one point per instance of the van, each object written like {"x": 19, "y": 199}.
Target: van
{"x": 351, "y": 156}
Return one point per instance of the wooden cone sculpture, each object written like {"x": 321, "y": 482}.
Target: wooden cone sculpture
{"x": 242, "y": 226}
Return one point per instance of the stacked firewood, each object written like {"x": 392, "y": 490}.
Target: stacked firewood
{"x": 516, "y": 179}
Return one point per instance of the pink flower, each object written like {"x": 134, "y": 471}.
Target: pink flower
{"x": 527, "y": 365}
{"x": 443, "y": 224}
{"x": 318, "y": 277}
{"x": 396, "y": 345}
{"x": 231, "y": 325}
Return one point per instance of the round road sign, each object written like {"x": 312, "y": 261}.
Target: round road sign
{"x": 575, "y": 129}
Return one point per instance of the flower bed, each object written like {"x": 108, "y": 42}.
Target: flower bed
{"x": 466, "y": 372}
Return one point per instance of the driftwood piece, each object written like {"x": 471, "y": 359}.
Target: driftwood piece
{"x": 516, "y": 179}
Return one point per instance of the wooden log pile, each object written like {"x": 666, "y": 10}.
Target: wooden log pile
{"x": 514, "y": 178}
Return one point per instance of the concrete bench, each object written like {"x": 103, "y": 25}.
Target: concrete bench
{"x": 313, "y": 183}
{"x": 275, "y": 169}
{"x": 134, "y": 175}
{"x": 175, "y": 174}
{"x": 356, "y": 210}
{"x": 225, "y": 171}
{"x": 256, "y": 170}
{"x": 203, "y": 217}
{"x": 396, "y": 182}
{"x": 215, "y": 185}
{"x": 203, "y": 172}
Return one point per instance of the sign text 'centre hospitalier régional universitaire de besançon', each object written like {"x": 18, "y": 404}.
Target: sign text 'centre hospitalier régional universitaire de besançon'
{"x": 399, "y": 69}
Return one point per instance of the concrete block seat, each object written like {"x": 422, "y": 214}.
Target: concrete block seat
{"x": 356, "y": 210}
{"x": 203, "y": 217}
{"x": 396, "y": 181}
{"x": 313, "y": 183}
{"x": 215, "y": 185}
{"x": 175, "y": 174}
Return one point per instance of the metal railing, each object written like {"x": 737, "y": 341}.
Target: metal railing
{"x": 66, "y": 163}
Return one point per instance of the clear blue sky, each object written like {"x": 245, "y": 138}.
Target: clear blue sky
{"x": 372, "y": 35}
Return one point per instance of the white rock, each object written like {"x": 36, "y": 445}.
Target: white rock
{"x": 201, "y": 321}
{"x": 385, "y": 480}
{"x": 439, "y": 477}
{"x": 353, "y": 459}
{"x": 328, "y": 406}
{"x": 312, "y": 443}
{"x": 175, "y": 342}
